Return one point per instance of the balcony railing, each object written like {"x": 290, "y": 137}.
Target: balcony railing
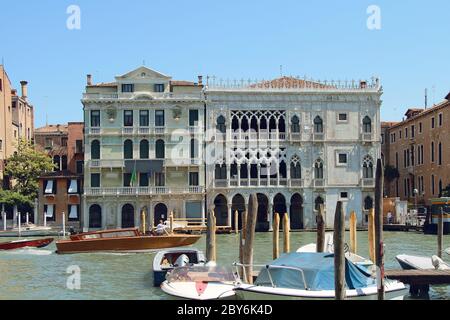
{"x": 140, "y": 96}
{"x": 252, "y": 183}
{"x": 131, "y": 191}
{"x": 368, "y": 183}
{"x": 296, "y": 183}
{"x": 367, "y": 137}
{"x": 94, "y": 131}
{"x": 106, "y": 163}
{"x": 144, "y": 130}
{"x": 318, "y": 137}
{"x": 319, "y": 183}
{"x": 295, "y": 136}
{"x": 127, "y": 130}
{"x": 160, "y": 130}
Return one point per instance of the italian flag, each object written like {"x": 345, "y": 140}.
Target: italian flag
{"x": 133, "y": 176}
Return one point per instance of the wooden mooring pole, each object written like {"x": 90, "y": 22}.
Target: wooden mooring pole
{"x": 371, "y": 234}
{"x": 143, "y": 221}
{"x": 242, "y": 236}
{"x": 236, "y": 222}
{"x": 250, "y": 236}
{"x": 353, "y": 240}
{"x": 276, "y": 236}
{"x": 379, "y": 242}
{"x": 286, "y": 233}
{"x": 320, "y": 243}
{"x": 211, "y": 237}
{"x": 171, "y": 222}
{"x": 440, "y": 233}
{"x": 339, "y": 252}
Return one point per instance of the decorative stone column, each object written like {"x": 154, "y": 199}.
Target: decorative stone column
{"x": 270, "y": 214}
{"x": 230, "y": 214}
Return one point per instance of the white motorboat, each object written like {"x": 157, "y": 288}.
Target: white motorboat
{"x": 167, "y": 260}
{"x": 408, "y": 262}
{"x": 310, "y": 276}
{"x": 200, "y": 283}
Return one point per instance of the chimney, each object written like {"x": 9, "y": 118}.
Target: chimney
{"x": 89, "y": 79}
{"x": 24, "y": 85}
{"x": 200, "y": 80}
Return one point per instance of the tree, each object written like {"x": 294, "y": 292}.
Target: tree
{"x": 24, "y": 168}
{"x": 446, "y": 191}
{"x": 391, "y": 173}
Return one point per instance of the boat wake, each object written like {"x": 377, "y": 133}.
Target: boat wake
{"x": 29, "y": 251}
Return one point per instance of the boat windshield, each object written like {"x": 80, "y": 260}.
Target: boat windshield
{"x": 201, "y": 274}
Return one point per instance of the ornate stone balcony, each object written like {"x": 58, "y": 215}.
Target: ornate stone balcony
{"x": 368, "y": 183}
{"x": 142, "y": 191}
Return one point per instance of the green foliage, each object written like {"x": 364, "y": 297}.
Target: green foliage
{"x": 446, "y": 191}
{"x": 391, "y": 173}
{"x": 11, "y": 198}
{"x": 24, "y": 168}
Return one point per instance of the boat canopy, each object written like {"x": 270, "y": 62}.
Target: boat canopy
{"x": 312, "y": 271}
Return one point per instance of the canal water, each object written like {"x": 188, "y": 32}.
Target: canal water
{"x": 42, "y": 274}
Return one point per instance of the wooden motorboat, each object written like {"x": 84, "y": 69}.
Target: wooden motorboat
{"x": 25, "y": 243}
{"x": 167, "y": 260}
{"x": 200, "y": 283}
{"x": 310, "y": 276}
{"x": 122, "y": 240}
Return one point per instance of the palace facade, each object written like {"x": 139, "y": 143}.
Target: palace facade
{"x": 157, "y": 146}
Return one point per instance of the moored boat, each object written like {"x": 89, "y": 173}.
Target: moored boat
{"x": 200, "y": 283}
{"x": 408, "y": 262}
{"x": 167, "y": 260}
{"x": 25, "y": 243}
{"x": 310, "y": 276}
{"x": 122, "y": 240}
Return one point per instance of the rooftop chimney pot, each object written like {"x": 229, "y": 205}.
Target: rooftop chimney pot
{"x": 89, "y": 79}
{"x": 200, "y": 80}
{"x": 24, "y": 85}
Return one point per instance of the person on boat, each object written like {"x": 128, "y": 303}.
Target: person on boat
{"x": 161, "y": 228}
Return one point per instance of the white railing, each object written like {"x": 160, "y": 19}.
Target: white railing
{"x": 296, "y": 183}
{"x": 130, "y": 191}
{"x": 367, "y": 137}
{"x": 221, "y": 183}
{"x": 145, "y": 95}
{"x": 94, "y": 130}
{"x": 295, "y": 136}
{"x": 292, "y": 84}
{"x": 318, "y": 137}
{"x": 319, "y": 183}
{"x": 144, "y": 130}
{"x": 160, "y": 130}
{"x": 368, "y": 183}
{"x": 127, "y": 130}
{"x": 252, "y": 183}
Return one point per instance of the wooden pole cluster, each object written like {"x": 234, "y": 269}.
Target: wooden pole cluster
{"x": 247, "y": 254}
{"x": 286, "y": 233}
{"x": 440, "y": 233}
{"x": 339, "y": 252}
{"x": 353, "y": 241}
{"x": 211, "y": 237}
{"x": 276, "y": 236}
{"x": 371, "y": 233}
{"x": 236, "y": 222}
{"x": 379, "y": 242}
{"x": 320, "y": 243}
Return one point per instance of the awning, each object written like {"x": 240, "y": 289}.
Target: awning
{"x": 49, "y": 187}
{"x": 143, "y": 166}
{"x": 49, "y": 213}
{"x": 73, "y": 212}
{"x": 73, "y": 188}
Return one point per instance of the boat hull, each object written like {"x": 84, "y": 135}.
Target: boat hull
{"x": 127, "y": 244}
{"x": 40, "y": 243}
{"x": 188, "y": 291}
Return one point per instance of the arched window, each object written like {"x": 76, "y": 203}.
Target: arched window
{"x": 296, "y": 168}
{"x": 160, "y": 149}
{"x": 95, "y": 216}
{"x": 368, "y": 168}
{"x": 318, "y": 169}
{"x": 95, "y": 150}
{"x": 367, "y": 125}
{"x": 318, "y": 125}
{"x": 368, "y": 203}
{"x": 295, "y": 124}
{"x": 128, "y": 149}
{"x": 221, "y": 124}
{"x": 144, "y": 149}
{"x": 221, "y": 172}
{"x": 318, "y": 202}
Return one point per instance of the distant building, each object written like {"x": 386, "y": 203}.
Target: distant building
{"x": 16, "y": 120}
{"x": 296, "y": 143}
{"x": 60, "y": 191}
{"x": 419, "y": 148}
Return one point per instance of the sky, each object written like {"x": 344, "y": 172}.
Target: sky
{"x": 325, "y": 39}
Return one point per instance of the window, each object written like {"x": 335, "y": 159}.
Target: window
{"x": 95, "y": 216}
{"x": 432, "y": 152}
{"x": 221, "y": 172}
{"x": 193, "y": 179}
{"x": 193, "y": 118}
{"x": 128, "y": 118}
{"x": 405, "y": 157}
{"x": 144, "y": 149}
{"x": 344, "y": 195}
{"x": 420, "y": 127}
{"x": 143, "y": 118}
{"x": 159, "y": 118}
{"x": 432, "y": 185}
{"x": 160, "y": 179}
{"x": 221, "y": 124}
{"x": 342, "y": 159}
{"x": 413, "y": 131}
{"x": 95, "y": 118}
{"x": 1, "y": 84}
{"x": 48, "y": 143}
{"x": 319, "y": 201}
{"x": 160, "y": 149}
{"x": 406, "y": 133}
{"x": 318, "y": 125}
{"x": 440, "y": 154}
{"x": 49, "y": 187}
{"x": 64, "y": 163}
{"x": 73, "y": 212}
{"x": 342, "y": 117}
{"x": 440, "y": 119}
{"x": 127, "y": 87}
{"x": 127, "y": 179}
{"x": 367, "y": 125}
{"x": 49, "y": 210}
{"x": 143, "y": 180}
{"x": 318, "y": 169}
{"x": 368, "y": 168}
{"x": 1, "y": 145}
{"x": 72, "y": 186}
{"x": 80, "y": 165}
{"x": 159, "y": 87}
{"x": 433, "y": 124}
{"x": 382, "y": 138}
{"x": 421, "y": 154}
{"x": 396, "y": 160}
{"x": 400, "y": 134}
{"x": 79, "y": 146}
{"x": 95, "y": 150}
{"x": 368, "y": 203}
{"x": 128, "y": 149}
{"x": 296, "y": 168}
{"x": 194, "y": 149}
{"x": 95, "y": 180}
{"x": 64, "y": 142}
